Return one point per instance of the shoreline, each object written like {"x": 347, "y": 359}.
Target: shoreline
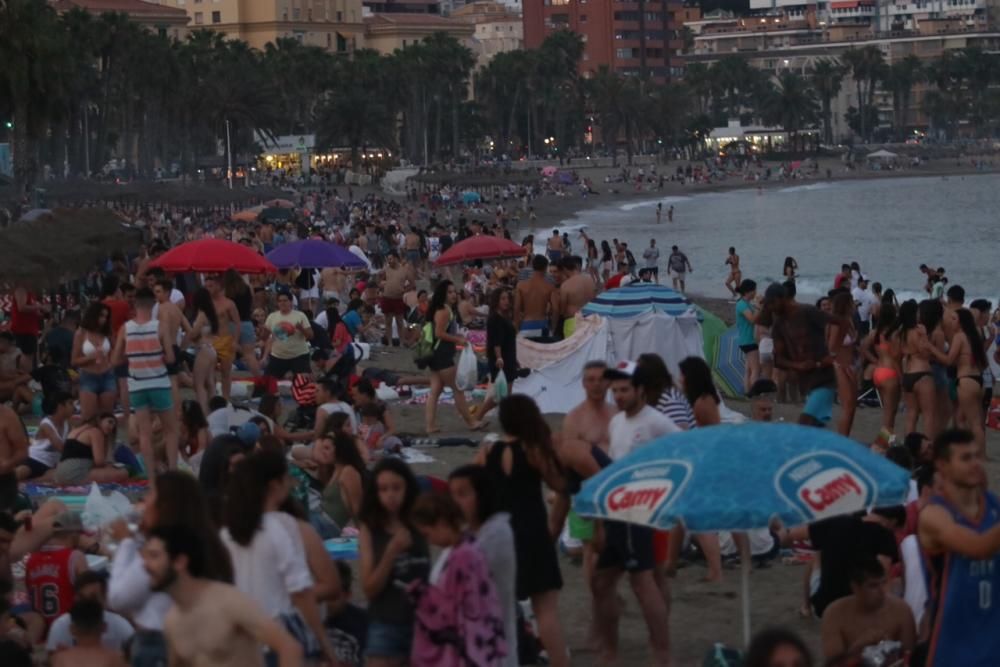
{"x": 552, "y": 211}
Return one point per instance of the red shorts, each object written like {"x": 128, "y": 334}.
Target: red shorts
{"x": 392, "y": 306}
{"x": 661, "y": 546}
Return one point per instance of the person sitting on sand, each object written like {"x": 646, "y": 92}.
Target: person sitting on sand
{"x": 867, "y": 616}
{"x": 87, "y": 626}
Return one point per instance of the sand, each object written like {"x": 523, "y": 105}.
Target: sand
{"x": 701, "y": 613}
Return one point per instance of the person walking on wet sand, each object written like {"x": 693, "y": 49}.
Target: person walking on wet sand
{"x": 679, "y": 266}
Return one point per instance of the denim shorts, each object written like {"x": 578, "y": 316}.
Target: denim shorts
{"x": 157, "y": 400}
{"x": 389, "y": 640}
{"x": 248, "y": 336}
{"x": 98, "y": 383}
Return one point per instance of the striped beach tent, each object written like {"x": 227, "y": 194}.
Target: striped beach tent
{"x": 638, "y": 298}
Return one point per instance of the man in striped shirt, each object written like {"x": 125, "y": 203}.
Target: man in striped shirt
{"x": 148, "y": 351}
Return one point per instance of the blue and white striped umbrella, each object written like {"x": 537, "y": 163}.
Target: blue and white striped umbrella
{"x": 638, "y": 298}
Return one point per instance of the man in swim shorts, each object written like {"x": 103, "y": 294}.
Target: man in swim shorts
{"x": 799, "y": 334}
{"x": 679, "y": 265}
{"x": 229, "y": 324}
{"x": 576, "y": 290}
{"x": 533, "y": 301}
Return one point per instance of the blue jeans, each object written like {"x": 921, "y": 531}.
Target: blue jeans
{"x": 149, "y": 649}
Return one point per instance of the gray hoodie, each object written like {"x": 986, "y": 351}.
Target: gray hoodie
{"x": 496, "y": 539}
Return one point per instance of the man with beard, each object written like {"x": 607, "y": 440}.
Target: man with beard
{"x": 211, "y": 623}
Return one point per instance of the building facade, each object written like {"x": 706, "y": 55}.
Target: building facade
{"x": 628, "y": 37}
{"x": 387, "y": 33}
{"x": 334, "y": 25}
{"x": 498, "y": 29}
{"x": 164, "y": 20}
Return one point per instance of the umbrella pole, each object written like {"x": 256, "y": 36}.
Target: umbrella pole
{"x": 745, "y": 595}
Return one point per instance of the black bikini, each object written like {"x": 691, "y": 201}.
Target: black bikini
{"x": 910, "y": 380}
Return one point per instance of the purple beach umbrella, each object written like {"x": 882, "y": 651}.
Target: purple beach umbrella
{"x": 313, "y": 254}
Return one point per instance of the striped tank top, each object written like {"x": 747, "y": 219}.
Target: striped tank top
{"x": 146, "y": 367}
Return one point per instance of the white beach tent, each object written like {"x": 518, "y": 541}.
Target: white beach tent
{"x": 620, "y": 324}
{"x": 882, "y": 155}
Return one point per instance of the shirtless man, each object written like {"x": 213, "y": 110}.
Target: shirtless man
{"x": 172, "y": 321}
{"x": 735, "y": 274}
{"x": 210, "y": 623}
{"x": 229, "y": 324}
{"x": 555, "y": 247}
{"x": 411, "y": 245}
{"x": 576, "y": 290}
{"x": 13, "y": 450}
{"x": 533, "y": 301}
{"x": 86, "y": 626}
{"x": 15, "y": 374}
{"x": 396, "y": 280}
{"x": 331, "y": 283}
{"x": 867, "y": 616}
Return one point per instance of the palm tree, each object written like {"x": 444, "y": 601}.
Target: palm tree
{"x": 733, "y": 77}
{"x": 29, "y": 55}
{"x": 607, "y": 90}
{"x": 826, "y": 77}
{"x": 792, "y": 106}
{"x": 867, "y": 68}
{"x": 900, "y": 78}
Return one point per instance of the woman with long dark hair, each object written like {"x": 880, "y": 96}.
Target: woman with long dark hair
{"x": 663, "y": 394}
{"x": 195, "y": 433}
{"x": 790, "y": 269}
{"x": 441, "y": 314}
{"x": 501, "y": 344}
{"x": 607, "y": 261}
{"x": 204, "y": 329}
{"x": 919, "y": 393}
{"x": 267, "y": 549}
{"x": 392, "y": 555}
{"x": 238, "y": 291}
{"x": 842, "y": 341}
{"x": 518, "y": 463}
{"x": 174, "y": 499}
{"x": 967, "y": 355}
{"x": 882, "y": 348}
{"x": 699, "y": 388}
{"x": 345, "y": 487}
{"x": 92, "y": 357}
{"x": 217, "y": 464}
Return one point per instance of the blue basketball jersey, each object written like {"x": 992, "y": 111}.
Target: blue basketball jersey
{"x": 965, "y": 604}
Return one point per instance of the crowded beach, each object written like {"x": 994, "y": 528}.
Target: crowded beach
{"x": 334, "y": 427}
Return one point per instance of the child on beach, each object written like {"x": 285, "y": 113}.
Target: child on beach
{"x": 371, "y": 429}
{"x": 459, "y": 618}
{"x": 392, "y": 556}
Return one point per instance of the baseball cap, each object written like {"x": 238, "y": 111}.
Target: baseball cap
{"x": 624, "y": 370}
{"x": 68, "y": 522}
{"x": 249, "y": 434}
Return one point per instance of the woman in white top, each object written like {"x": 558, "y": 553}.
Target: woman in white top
{"x": 204, "y": 329}
{"x": 92, "y": 356}
{"x": 267, "y": 549}
{"x": 175, "y": 498}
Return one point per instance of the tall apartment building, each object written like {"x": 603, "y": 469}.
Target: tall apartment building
{"x": 335, "y": 25}
{"x": 167, "y": 21}
{"x": 630, "y": 37}
{"x": 883, "y": 15}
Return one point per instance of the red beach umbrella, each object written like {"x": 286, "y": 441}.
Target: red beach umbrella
{"x": 213, "y": 256}
{"x": 480, "y": 247}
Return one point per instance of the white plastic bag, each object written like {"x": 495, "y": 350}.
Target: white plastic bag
{"x": 500, "y": 388}
{"x": 468, "y": 372}
{"x": 100, "y": 510}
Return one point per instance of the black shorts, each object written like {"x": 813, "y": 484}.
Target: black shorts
{"x": 178, "y": 365}
{"x": 279, "y": 368}
{"x": 8, "y": 492}
{"x": 627, "y": 547}
{"x": 752, "y": 347}
{"x": 652, "y": 270}
{"x": 443, "y": 357}
{"x": 36, "y": 468}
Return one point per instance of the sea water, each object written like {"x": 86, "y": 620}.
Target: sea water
{"x": 890, "y": 226}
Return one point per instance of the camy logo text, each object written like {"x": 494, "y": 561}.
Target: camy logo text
{"x": 830, "y": 493}
{"x": 638, "y": 500}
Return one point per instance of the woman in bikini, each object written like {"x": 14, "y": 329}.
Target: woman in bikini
{"x": 918, "y": 384}
{"x": 932, "y": 314}
{"x": 204, "y": 329}
{"x": 842, "y": 341}
{"x": 735, "y": 274}
{"x": 882, "y": 349}
{"x": 967, "y": 355}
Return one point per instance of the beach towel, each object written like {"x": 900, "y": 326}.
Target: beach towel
{"x": 458, "y": 620}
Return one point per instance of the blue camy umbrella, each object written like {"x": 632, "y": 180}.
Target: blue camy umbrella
{"x": 730, "y": 364}
{"x": 313, "y": 254}
{"x": 737, "y": 478}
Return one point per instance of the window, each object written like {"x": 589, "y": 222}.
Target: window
{"x": 340, "y": 16}
{"x": 583, "y": 18}
{"x": 329, "y": 40}
{"x": 197, "y": 2}
{"x": 199, "y": 18}
{"x": 180, "y": 3}
{"x": 296, "y": 12}
{"x": 216, "y": 17}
